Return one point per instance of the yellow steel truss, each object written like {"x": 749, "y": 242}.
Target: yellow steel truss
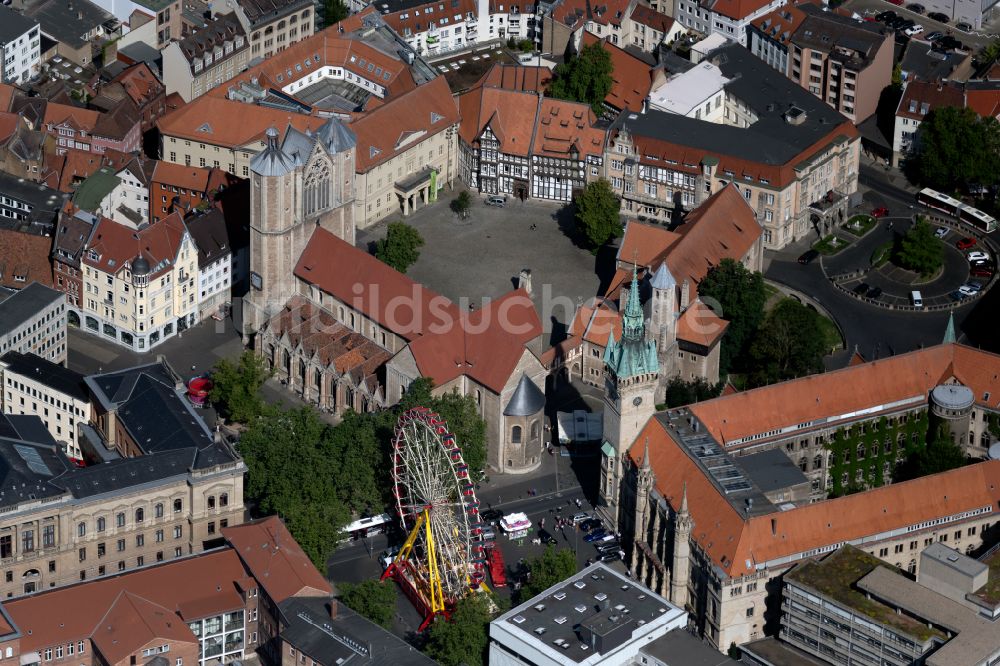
{"x": 435, "y": 591}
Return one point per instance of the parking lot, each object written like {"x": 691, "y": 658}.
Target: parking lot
{"x": 973, "y": 41}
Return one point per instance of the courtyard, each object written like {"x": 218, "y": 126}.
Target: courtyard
{"x": 480, "y": 257}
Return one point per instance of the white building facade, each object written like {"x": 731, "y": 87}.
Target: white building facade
{"x": 20, "y": 44}
{"x": 42, "y": 330}
{"x": 701, "y": 18}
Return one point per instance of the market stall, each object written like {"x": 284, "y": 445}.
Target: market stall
{"x": 515, "y": 525}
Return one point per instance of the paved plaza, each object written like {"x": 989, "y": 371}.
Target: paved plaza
{"x": 469, "y": 260}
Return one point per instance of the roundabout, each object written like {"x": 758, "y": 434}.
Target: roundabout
{"x": 873, "y": 278}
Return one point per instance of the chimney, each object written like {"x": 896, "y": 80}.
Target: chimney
{"x": 333, "y": 608}
{"x": 685, "y": 296}
{"x": 524, "y": 280}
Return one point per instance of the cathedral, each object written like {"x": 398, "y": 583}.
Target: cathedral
{"x": 346, "y": 332}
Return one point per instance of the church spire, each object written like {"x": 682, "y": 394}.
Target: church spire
{"x": 633, "y": 321}
{"x": 634, "y": 355}
{"x": 949, "y": 333}
{"x": 645, "y": 458}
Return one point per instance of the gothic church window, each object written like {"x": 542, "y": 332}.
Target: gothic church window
{"x": 317, "y": 187}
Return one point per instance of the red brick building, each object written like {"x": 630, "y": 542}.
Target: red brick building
{"x": 184, "y": 188}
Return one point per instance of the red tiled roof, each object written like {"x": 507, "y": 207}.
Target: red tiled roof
{"x": 419, "y": 19}
{"x": 516, "y": 77}
{"x": 833, "y": 394}
{"x": 738, "y": 544}
{"x": 422, "y": 112}
{"x": 649, "y": 17}
{"x": 631, "y": 78}
{"x": 445, "y": 342}
{"x": 24, "y": 258}
{"x": 736, "y": 9}
{"x": 646, "y": 244}
{"x": 8, "y": 123}
{"x": 573, "y": 13}
{"x": 133, "y": 622}
{"x": 276, "y": 560}
{"x": 191, "y": 178}
{"x": 60, "y": 114}
{"x": 923, "y": 97}
{"x": 63, "y": 171}
{"x": 780, "y": 24}
{"x": 699, "y": 324}
{"x": 43, "y": 620}
{"x": 562, "y": 126}
{"x": 983, "y": 101}
{"x": 140, "y": 83}
{"x": 509, "y": 114}
{"x": 116, "y": 245}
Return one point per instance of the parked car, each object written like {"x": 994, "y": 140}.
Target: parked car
{"x": 881, "y": 211}
{"x": 916, "y": 8}
{"x": 607, "y": 536}
{"x": 885, "y": 16}
{"x": 387, "y": 556}
{"x": 957, "y": 295}
{"x": 972, "y": 287}
{"x": 964, "y": 27}
{"x": 580, "y": 517}
{"x": 590, "y": 524}
{"x": 613, "y": 555}
{"x": 898, "y": 3}
{"x": 966, "y": 243}
{"x": 978, "y": 255}
{"x": 808, "y": 256}
{"x": 489, "y": 534}
{"x": 607, "y": 545}
{"x": 490, "y": 515}
{"x": 914, "y": 30}
{"x": 546, "y": 537}
{"x": 496, "y": 200}
{"x": 981, "y": 272}
{"x": 947, "y": 43}
{"x": 905, "y": 25}
{"x": 597, "y": 534}
{"x": 941, "y": 232}
{"x": 875, "y": 293}
{"x": 862, "y": 289}
{"x": 939, "y": 17}
{"x": 934, "y": 36}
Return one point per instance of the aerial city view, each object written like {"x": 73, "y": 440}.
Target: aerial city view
{"x": 620, "y": 332}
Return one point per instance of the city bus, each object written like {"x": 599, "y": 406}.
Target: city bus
{"x": 366, "y": 527}
{"x": 951, "y": 206}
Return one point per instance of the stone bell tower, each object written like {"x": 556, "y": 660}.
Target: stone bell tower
{"x": 631, "y": 372}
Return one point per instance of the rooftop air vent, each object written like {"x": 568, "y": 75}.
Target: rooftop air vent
{"x": 795, "y": 116}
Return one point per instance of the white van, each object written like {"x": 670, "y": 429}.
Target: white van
{"x": 917, "y": 299}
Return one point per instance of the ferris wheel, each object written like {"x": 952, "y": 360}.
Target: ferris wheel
{"x": 443, "y": 558}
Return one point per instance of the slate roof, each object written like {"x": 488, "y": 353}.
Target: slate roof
{"x": 306, "y": 618}
{"x": 210, "y": 235}
{"x": 24, "y": 304}
{"x": 52, "y": 375}
{"x": 13, "y": 24}
{"x": 27, "y": 471}
{"x": 527, "y": 399}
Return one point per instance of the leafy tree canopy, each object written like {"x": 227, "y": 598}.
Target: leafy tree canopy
{"x": 939, "y": 455}
{"x": 553, "y": 566}
{"x": 919, "y": 250}
{"x": 681, "y": 392}
{"x": 334, "y": 11}
{"x": 585, "y": 78}
{"x": 375, "y": 600}
{"x": 788, "y": 344}
{"x": 401, "y": 246}
{"x": 462, "y": 202}
{"x": 597, "y": 209}
{"x": 463, "y": 641}
{"x": 738, "y": 296}
{"x": 236, "y": 386}
{"x": 956, "y": 147}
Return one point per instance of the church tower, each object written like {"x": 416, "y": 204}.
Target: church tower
{"x": 663, "y": 325}
{"x": 681, "y": 568}
{"x": 296, "y": 185}
{"x": 631, "y": 371}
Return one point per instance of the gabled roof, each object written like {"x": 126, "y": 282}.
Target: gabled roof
{"x": 509, "y": 114}
{"x": 24, "y": 258}
{"x": 73, "y": 116}
{"x": 631, "y": 77}
{"x": 276, "y": 560}
{"x": 921, "y": 97}
{"x": 738, "y": 544}
{"x": 735, "y": 9}
{"x": 203, "y": 120}
{"x": 424, "y": 111}
{"x": 132, "y": 623}
{"x": 649, "y": 17}
{"x": 780, "y": 24}
{"x": 140, "y": 83}
{"x": 191, "y": 178}
{"x": 116, "y": 245}
{"x": 699, "y": 324}
{"x": 526, "y": 78}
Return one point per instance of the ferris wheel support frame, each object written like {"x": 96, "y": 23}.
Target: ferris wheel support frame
{"x": 435, "y": 606}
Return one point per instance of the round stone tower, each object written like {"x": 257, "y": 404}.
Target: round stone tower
{"x": 951, "y": 404}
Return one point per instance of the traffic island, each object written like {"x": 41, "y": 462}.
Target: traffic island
{"x": 859, "y": 225}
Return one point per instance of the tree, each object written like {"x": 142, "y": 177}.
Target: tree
{"x": 919, "y": 250}
{"x": 334, "y": 11}
{"x": 585, "y": 78}
{"x": 461, "y": 203}
{"x": 597, "y": 217}
{"x": 955, "y": 146}
{"x": 463, "y": 640}
{"x": 553, "y": 566}
{"x": 375, "y": 600}
{"x": 401, "y": 246}
{"x": 460, "y": 413}
{"x": 236, "y": 386}
{"x": 738, "y": 296}
{"x": 939, "y": 455}
{"x": 681, "y": 392}
{"x": 788, "y": 344}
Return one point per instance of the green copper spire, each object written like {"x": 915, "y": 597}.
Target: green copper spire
{"x": 949, "y": 333}
{"x": 634, "y": 355}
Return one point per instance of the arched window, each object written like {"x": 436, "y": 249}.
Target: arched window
{"x": 817, "y": 462}
{"x": 317, "y": 187}
{"x": 139, "y": 515}
{"x": 861, "y": 451}
{"x": 534, "y": 430}
{"x": 101, "y": 524}
{"x": 515, "y": 434}
{"x": 81, "y": 529}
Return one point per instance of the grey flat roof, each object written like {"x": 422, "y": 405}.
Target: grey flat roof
{"x": 52, "y": 375}
{"x": 597, "y": 599}
{"x": 13, "y": 24}
{"x": 772, "y": 652}
{"x": 953, "y": 559}
{"x": 67, "y": 22}
{"x": 771, "y": 140}
{"x": 25, "y": 304}
{"x": 679, "y": 648}
{"x": 772, "y": 470}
